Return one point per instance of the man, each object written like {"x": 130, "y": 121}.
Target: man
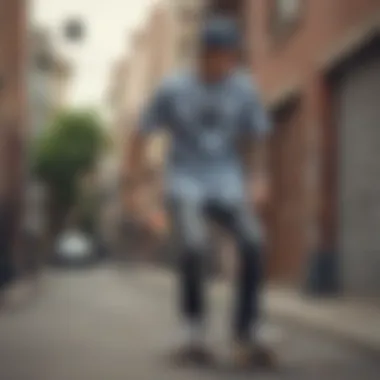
{"x": 207, "y": 112}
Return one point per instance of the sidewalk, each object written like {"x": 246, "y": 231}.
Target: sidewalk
{"x": 353, "y": 321}
{"x": 18, "y": 294}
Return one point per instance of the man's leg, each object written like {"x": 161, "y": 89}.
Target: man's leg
{"x": 190, "y": 232}
{"x": 250, "y": 276}
{"x": 248, "y": 292}
{"x": 247, "y": 232}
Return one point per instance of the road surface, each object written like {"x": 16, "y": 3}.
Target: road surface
{"x": 111, "y": 324}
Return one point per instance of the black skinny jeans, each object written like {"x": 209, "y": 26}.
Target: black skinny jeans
{"x": 189, "y": 221}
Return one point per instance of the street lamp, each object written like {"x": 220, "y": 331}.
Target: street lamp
{"x": 74, "y": 30}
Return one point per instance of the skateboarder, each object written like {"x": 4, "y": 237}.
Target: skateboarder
{"x": 207, "y": 111}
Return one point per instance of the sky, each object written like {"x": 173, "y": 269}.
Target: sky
{"x": 109, "y": 24}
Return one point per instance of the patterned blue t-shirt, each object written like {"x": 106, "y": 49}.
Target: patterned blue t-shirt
{"x": 205, "y": 122}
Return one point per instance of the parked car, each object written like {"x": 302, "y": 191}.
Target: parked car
{"x": 75, "y": 248}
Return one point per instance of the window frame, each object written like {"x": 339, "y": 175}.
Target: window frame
{"x": 280, "y": 28}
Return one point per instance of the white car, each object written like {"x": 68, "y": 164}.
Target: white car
{"x": 74, "y": 247}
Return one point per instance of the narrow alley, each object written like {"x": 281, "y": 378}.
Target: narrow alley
{"x": 112, "y": 323}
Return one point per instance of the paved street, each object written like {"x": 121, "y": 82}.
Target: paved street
{"x": 109, "y": 324}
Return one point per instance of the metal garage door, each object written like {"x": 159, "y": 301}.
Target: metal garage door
{"x": 358, "y": 106}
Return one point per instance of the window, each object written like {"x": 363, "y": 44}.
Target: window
{"x": 285, "y": 16}
{"x": 44, "y": 61}
{"x": 74, "y": 29}
{"x": 288, "y": 10}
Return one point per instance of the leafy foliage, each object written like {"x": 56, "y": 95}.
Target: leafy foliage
{"x": 67, "y": 150}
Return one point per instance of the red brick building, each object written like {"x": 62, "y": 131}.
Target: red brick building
{"x": 12, "y": 121}
{"x": 318, "y": 65}
{"x": 12, "y": 79}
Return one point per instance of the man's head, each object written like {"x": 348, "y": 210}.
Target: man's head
{"x": 220, "y": 47}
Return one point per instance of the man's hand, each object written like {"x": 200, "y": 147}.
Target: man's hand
{"x": 133, "y": 199}
{"x": 260, "y": 191}
{"x": 134, "y": 171}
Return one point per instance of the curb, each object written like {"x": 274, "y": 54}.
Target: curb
{"x": 18, "y": 295}
{"x": 310, "y": 313}
{"x": 370, "y": 347}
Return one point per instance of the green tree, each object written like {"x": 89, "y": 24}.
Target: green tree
{"x": 67, "y": 151}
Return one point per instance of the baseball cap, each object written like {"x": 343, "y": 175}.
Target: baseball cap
{"x": 220, "y": 32}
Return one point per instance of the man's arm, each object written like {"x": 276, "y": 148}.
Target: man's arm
{"x": 256, "y": 156}
{"x": 153, "y": 117}
{"x": 260, "y": 168}
{"x": 256, "y": 128}
{"x": 256, "y": 159}
{"x": 136, "y": 157}
{"x": 135, "y": 168}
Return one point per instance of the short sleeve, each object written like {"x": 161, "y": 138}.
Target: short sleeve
{"x": 155, "y": 113}
{"x": 254, "y": 119}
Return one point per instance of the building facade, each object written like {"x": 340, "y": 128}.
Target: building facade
{"x": 112, "y": 166}
{"x": 48, "y": 80}
{"x": 12, "y": 125}
{"x": 318, "y": 66}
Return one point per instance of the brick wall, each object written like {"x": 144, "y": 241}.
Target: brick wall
{"x": 12, "y": 91}
{"x": 292, "y": 64}
{"x": 321, "y": 27}
{"x": 12, "y": 132}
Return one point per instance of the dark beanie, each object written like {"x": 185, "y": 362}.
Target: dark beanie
{"x": 220, "y": 33}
